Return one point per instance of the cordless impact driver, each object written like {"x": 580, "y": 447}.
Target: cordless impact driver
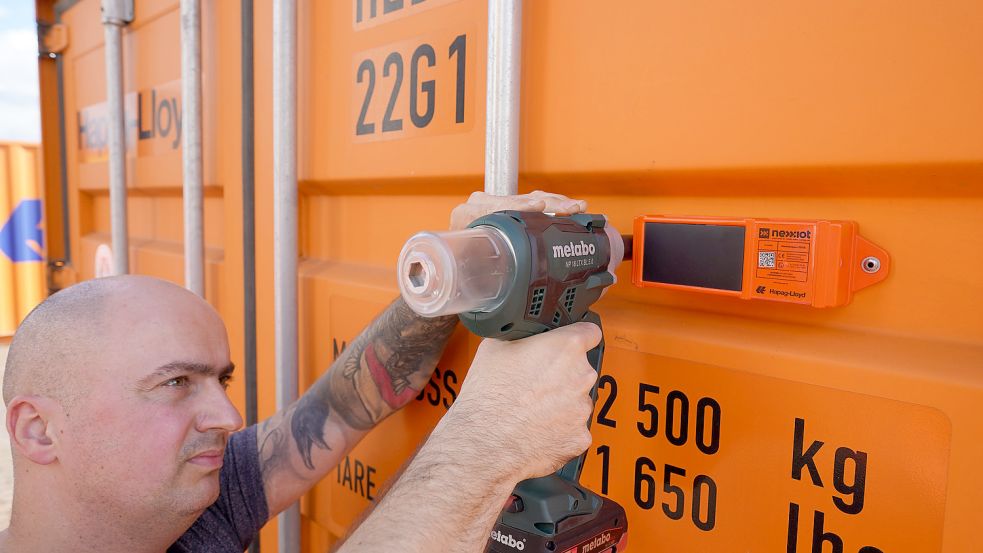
{"x": 510, "y": 275}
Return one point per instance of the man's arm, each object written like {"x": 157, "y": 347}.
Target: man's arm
{"x": 521, "y": 413}
{"x": 384, "y": 368}
{"x": 447, "y": 499}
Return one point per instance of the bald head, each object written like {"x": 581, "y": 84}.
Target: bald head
{"x": 76, "y": 327}
{"x": 114, "y": 387}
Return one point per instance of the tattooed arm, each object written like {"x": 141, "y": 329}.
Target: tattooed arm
{"x": 382, "y": 370}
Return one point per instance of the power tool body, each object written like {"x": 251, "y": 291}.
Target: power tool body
{"x": 512, "y": 275}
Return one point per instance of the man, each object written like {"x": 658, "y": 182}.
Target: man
{"x": 122, "y": 433}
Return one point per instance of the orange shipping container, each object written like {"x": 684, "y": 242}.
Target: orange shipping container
{"x": 866, "y": 112}
{"x": 22, "y": 255}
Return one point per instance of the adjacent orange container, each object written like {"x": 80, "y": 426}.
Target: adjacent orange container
{"x": 22, "y": 243}
{"x": 723, "y": 425}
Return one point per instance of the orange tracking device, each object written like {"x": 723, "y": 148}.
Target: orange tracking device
{"x": 810, "y": 262}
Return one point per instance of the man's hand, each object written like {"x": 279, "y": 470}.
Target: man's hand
{"x": 531, "y": 396}
{"x": 480, "y": 204}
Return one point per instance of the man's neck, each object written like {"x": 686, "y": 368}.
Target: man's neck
{"x": 57, "y": 526}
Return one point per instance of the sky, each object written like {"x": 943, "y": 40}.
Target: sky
{"x": 20, "y": 113}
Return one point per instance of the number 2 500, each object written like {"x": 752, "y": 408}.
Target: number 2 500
{"x": 393, "y": 65}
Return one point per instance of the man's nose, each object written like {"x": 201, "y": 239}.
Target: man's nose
{"x": 218, "y": 413}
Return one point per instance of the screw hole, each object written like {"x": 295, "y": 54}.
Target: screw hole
{"x": 871, "y": 265}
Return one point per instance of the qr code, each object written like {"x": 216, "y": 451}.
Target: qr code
{"x": 766, "y": 260}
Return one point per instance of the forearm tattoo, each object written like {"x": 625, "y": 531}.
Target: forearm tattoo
{"x": 386, "y": 366}
{"x": 307, "y": 427}
{"x": 383, "y": 369}
{"x": 273, "y": 453}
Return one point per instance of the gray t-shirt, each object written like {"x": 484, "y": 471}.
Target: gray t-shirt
{"x": 231, "y": 523}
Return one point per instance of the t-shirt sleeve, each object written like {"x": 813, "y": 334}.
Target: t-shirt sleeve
{"x": 232, "y": 522}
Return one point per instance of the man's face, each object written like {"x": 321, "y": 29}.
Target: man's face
{"x": 150, "y": 429}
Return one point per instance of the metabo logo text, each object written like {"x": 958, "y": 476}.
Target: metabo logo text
{"x": 796, "y": 234}
{"x": 507, "y": 539}
{"x": 600, "y": 541}
{"x": 573, "y": 249}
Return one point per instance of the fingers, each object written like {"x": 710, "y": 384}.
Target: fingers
{"x": 498, "y": 203}
{"x": 481, "y": 203}
{"x": 588, "y": 378}
{"x": 464, "y": 214}
{"x": 559, "y": 204}
{"x": 585, "y": 335}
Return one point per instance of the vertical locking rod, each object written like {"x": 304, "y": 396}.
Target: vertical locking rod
{"x": 502, "y": 117}
{"x": 285, "y": 228}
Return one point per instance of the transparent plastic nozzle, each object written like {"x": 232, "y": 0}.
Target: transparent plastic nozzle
{"x": 444, "y": 273}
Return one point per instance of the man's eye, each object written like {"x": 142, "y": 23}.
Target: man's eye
{"x": 176, "y": 381}
{"x": 225, "y": 380}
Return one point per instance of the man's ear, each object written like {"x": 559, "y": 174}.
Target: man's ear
{"x": 30, "y": 433}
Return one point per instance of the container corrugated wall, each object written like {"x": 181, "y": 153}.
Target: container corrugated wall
{"x": 841, "y": 110}
{"x": 22, "y": 253}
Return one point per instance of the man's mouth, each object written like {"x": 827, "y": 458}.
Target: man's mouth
{"x": 210, "y": 459}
